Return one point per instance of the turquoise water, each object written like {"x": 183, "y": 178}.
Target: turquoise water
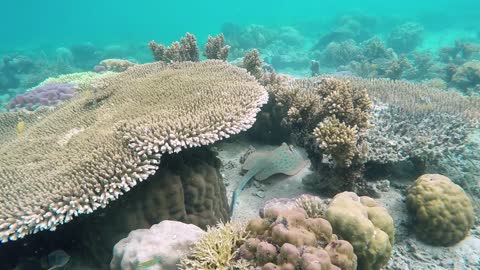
{"x": 55, "y": 23}
{"x": 434, "y": 43}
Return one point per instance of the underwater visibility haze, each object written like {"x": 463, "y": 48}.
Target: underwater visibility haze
{"x": 205, "y": 135}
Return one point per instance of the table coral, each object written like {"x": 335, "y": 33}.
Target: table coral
{"x": 442, "y": 211}
{"x": 87, "y": 153}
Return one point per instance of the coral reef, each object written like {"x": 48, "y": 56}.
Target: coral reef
{"x": 216, "y": 249}
{"x": 185, "y": 50}
{"x": 216, "y": 48}
{"x": 285, "y": 238}
{"x": 49, "y": 94}
{"x": 253, "y": 63}
{"x": 366, "y": 225}
{"x": 467, "y": 76}
{"x": 304, "y": 104}
{"x": 187, "y": 187}
{"x": 114, "y": 65}
{"x": 159, "y": 247}
{"x": 442, "y": 211}
{"x": 87, "y": 153}
{"x": 313, "y": 205}
{"x": 406, "y": 37}
{"x": 438, "y": 122}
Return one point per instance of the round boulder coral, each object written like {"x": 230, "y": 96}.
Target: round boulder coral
{"x": 366, "y": 225}
{"x": 442, "y": 210}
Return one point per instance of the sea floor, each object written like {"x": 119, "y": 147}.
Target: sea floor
{"x": 408, "y": 254}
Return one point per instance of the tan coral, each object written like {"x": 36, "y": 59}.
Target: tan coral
{"x": 127, "y": 123}
{"x": 337, "y": 139}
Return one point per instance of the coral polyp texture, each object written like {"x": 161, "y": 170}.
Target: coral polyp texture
{"x": 97, "y": 146}
{"x": 442, "y": 211}
{"x": 49, "y": 94}
{"x": 286, "y": 238}
{"x": 366, "y": 225}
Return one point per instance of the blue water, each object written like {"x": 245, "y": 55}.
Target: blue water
{"x": 55, "y": 23}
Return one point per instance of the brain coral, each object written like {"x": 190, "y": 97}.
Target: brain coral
{"x": 366, "y": 225}
{"x": 92, "y": 149}
{"x": 443, "y": 212}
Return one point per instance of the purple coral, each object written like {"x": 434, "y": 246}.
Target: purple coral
{"x": 49, "y": 94}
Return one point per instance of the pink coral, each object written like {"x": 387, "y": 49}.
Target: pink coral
{"x": 46, "y": 95}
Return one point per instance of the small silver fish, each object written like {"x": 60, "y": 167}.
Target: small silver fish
{"x": 57, "y": 258}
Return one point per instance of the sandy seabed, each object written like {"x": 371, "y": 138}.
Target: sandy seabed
{"x": 408, "y": 254}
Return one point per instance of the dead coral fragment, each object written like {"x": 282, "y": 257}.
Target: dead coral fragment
{"x": 185, "y": 50}
{"x": 216, "y": 48}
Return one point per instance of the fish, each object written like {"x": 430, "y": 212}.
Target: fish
{"x": 263, "y": 164}
{"x": 20, "y": 127}
{"x": 148, "y": 264}
{"x": 57, "y": 258}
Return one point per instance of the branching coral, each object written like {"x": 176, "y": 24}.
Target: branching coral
{"x": 185, "y": 50}
{"x": 216, "y": 48}
{"x": 253, "y": 63}
{"x": 337, "y": 139}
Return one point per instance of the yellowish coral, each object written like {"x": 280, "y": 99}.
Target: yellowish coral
{"x": 442, "y": 210}
{"x": 216, "y": 250}
{"x": 366, "y": 225}
{"x": 338, "y": 140}
{"x": 89, "y": 151}
{"x": 81, "y": 79}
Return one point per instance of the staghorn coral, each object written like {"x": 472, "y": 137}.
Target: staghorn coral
{"x": 216, "y": 48}
{"x": 185, "y": 50}
{"x": 366, "y": 225}
{"x": 443, "y": 213}
{"x": 253, "y": 63}
{"x": 89, "y": 151}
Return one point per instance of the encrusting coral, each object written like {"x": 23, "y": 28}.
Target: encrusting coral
{"x": 216, "y": 48}
{"x": 366, "y": 225}
{"x": 442, "y": 211}
{"x": 185, "y": 50}
{"x": 89, "y": 151}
